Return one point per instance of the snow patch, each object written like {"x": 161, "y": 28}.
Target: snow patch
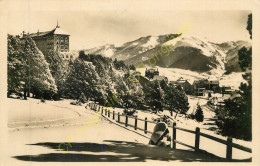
{"x": 152, "y": 42}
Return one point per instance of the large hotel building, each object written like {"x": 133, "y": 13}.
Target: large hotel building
{"x": 56, "y": 40}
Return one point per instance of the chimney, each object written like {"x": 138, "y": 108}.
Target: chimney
{"x": 38, "y": 32}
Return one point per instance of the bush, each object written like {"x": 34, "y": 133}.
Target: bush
{"x": 129, "y": 112}
{"x": 42, "y": 100}
{"x": 82, "y": 98}
{"x": 76, "y": 103}
{"x": 191, "y": 116}
{"x": 209, "y": 95}
{"x": 199, "y": 114}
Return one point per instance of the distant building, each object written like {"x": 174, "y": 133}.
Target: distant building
{"x": 199, "y": 91}
{"x": 185, "y": 84}
{"x": 150, "y": 73}
{"x": 159, "y": 78}
{"x": 227, "y": 90}
{"x": 56, "y": 40}
{"x": 198, "y": 87}
{"x": 211, "y": 84}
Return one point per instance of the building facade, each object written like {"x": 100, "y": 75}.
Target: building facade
{"x": 56, "y": 40}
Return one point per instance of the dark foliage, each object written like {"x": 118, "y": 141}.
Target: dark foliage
{"x": 199, "y": 116}
{"x": 249, "y": 25}
{"x": 245, "y": 58}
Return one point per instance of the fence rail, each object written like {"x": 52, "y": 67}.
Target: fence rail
{"x": 229, "y": 142}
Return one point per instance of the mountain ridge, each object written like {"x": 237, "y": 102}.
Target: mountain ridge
{"x": 179, "y": 51}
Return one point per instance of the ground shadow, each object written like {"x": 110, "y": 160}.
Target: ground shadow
{"x": 118, "y": 151}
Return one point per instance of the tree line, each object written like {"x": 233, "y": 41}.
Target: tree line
{"x": 88, "y": 77}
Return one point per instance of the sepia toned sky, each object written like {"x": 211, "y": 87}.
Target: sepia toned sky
{"x": 101, "y": 23}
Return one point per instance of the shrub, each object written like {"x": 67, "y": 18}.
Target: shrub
{"x": 199, "y": 114}
{"x": 76, "y": 103}
{"x": 42, "y": 100}
{"x": 82, "y": 98}
{"x": 191, "y": 116}
{"x": 129, "y": 112}
{"x": 209, "y": 95}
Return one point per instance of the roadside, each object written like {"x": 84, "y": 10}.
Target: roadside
{"x": 50, "y": 123}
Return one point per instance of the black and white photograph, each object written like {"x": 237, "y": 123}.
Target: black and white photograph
{"x": 127, "y": 81}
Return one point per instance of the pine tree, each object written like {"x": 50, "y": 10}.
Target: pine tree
{"x": 79, "y": 79}
{"x": 15, "y": 64}
{"x": 28, "y": 69}
{"x": 40, "y": 81}
{"x": 209, "y": 95}
{"x": 245, "y": 58}
{"x": 60, "y": 68}
{"x": 199, "y": 114}
{"x": 154, "y": 98}
{"x": 176, "y": 100}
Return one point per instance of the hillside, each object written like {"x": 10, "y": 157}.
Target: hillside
{"x": 180, "y": 51}
{"x": 231, "y": 50}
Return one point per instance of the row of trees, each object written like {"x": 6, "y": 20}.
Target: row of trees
{"x": 88, "y": 77}
{"x": 162, "y": 95}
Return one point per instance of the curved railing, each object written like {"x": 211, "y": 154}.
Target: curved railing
{"x": 229, "y": 144}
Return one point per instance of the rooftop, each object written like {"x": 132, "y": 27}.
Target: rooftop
{"x": 55, "y": 31}
{"x": 158, "y": 78}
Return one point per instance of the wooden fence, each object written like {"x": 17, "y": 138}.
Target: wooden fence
{"x": 229, "y": 144}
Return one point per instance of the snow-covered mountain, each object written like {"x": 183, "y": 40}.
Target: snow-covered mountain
{"x": 177, "y": 51}
{"x": 107, "y": 50}
{"x": 231, "y": 50}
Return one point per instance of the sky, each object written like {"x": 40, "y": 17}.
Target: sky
{"x": 97, "y": 24}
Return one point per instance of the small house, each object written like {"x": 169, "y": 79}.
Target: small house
{"x": 159, "y": 78}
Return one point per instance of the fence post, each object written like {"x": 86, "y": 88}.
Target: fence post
{"x": 113, "y": 115}
{"x": 174, "y": 135}
{"x": 109, "y": 113}
{"x": 145, "y": 125}
{"x": 102, "y": 111}
{"x": 135, "y": 123}
{"x": 126, "y": 121}
{"x": 197, "y": 139}
{"x": 118, "y": 117}
{"x": 229, "y": 148}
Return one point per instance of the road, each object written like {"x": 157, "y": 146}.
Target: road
{"x": 83, "y": 141}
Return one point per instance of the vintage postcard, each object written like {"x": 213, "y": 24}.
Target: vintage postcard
{"x": 129, "y": 82}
